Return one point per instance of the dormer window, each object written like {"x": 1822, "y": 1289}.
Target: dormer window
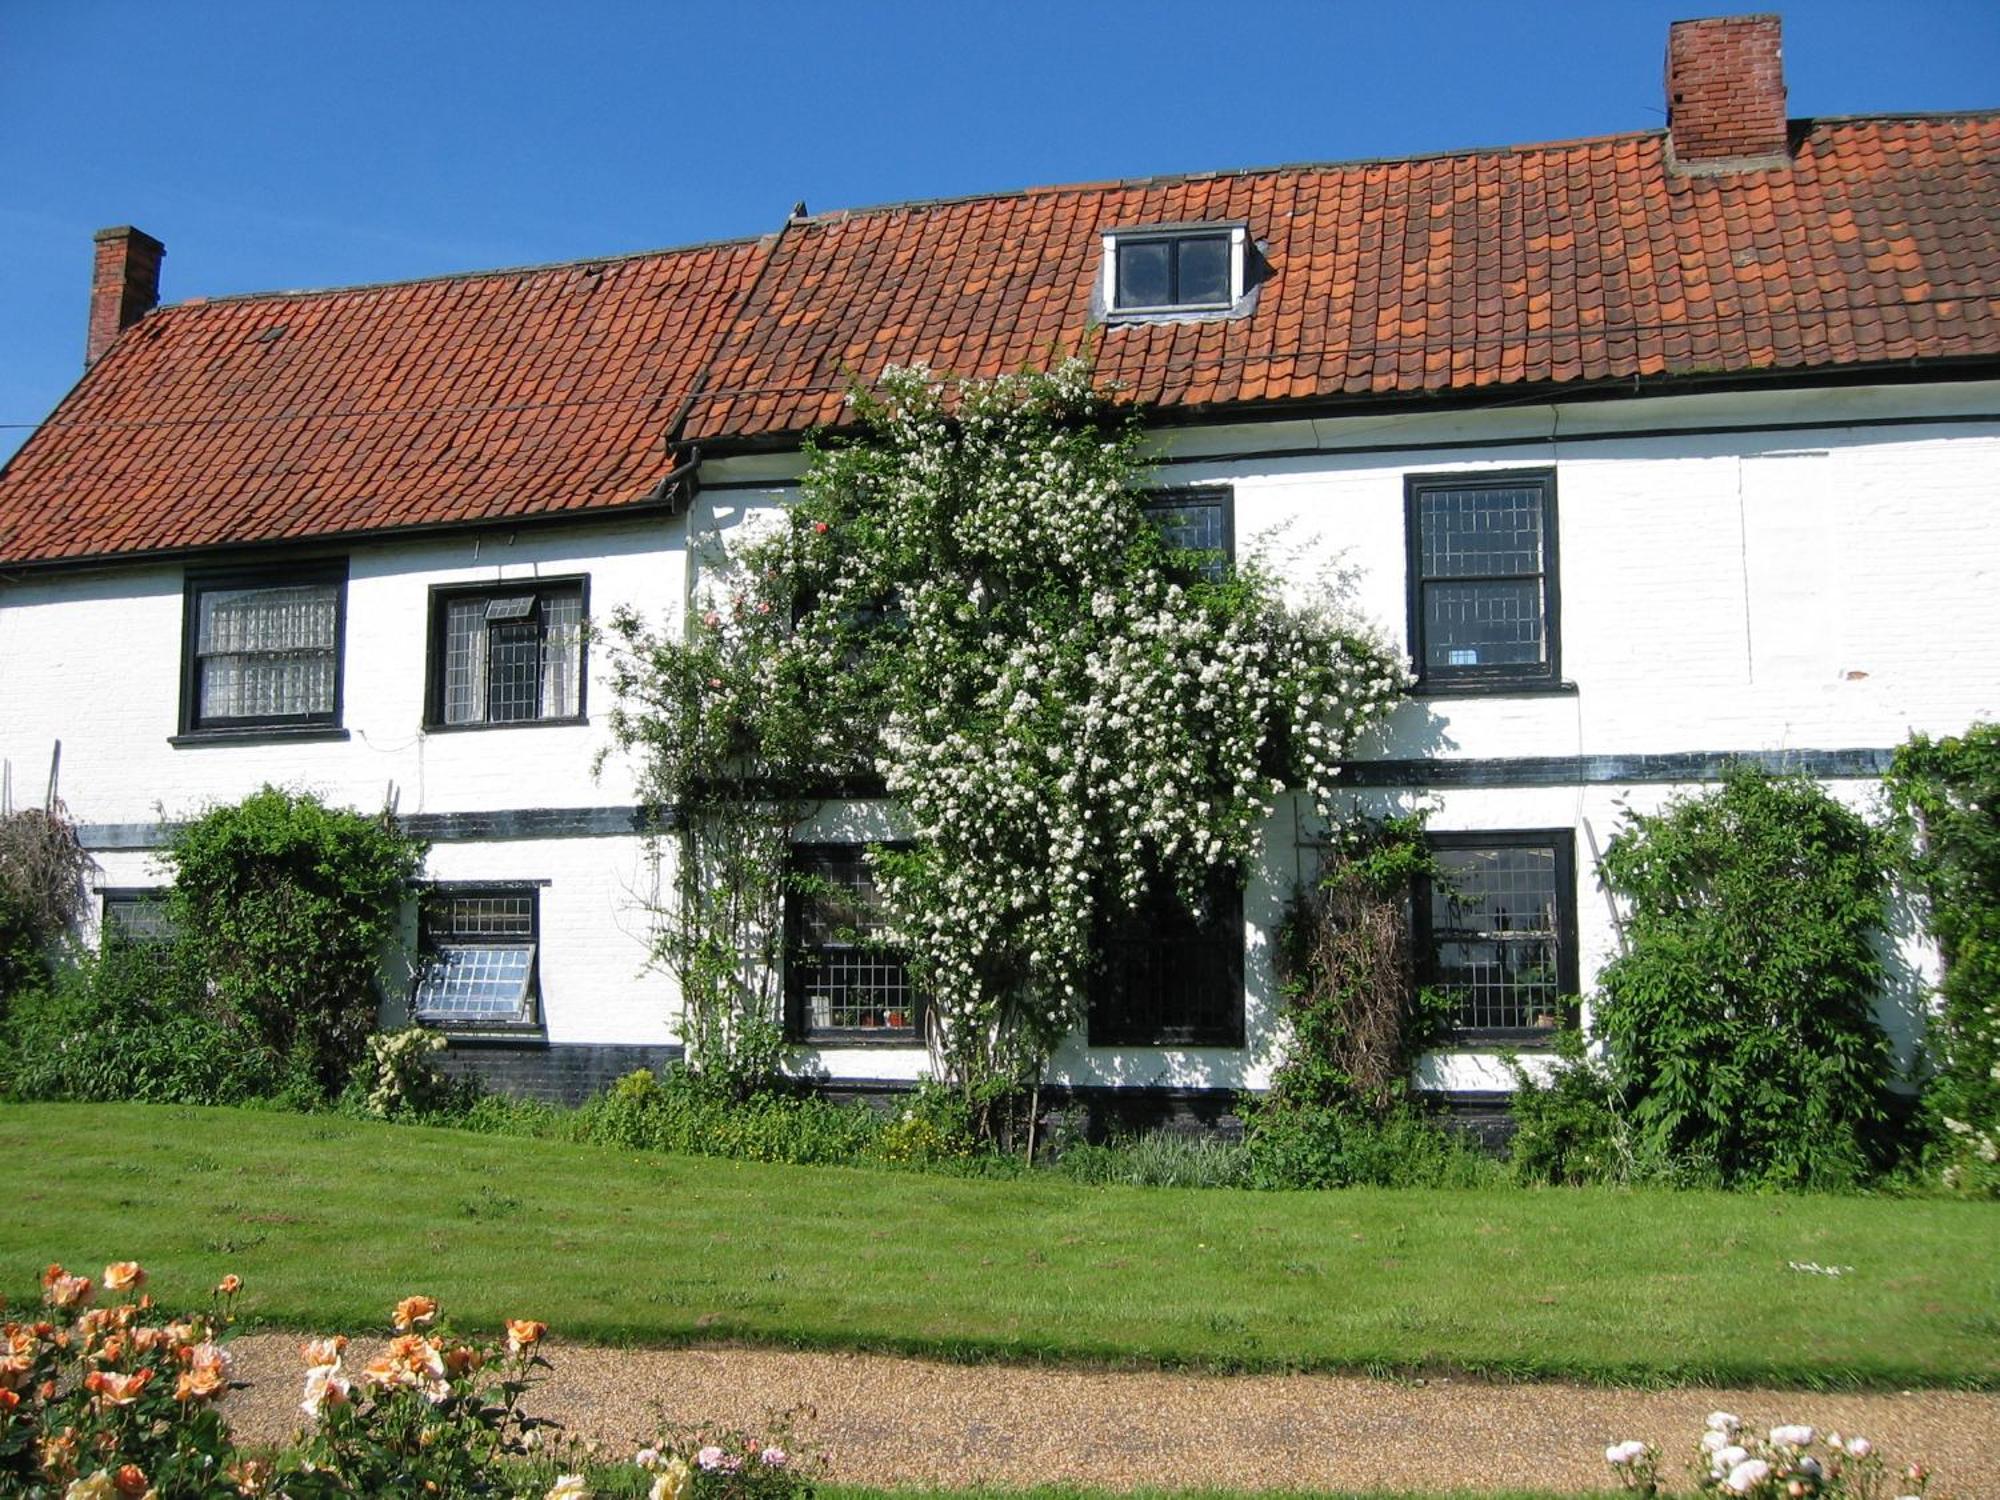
{"x": 1173, "y": 270}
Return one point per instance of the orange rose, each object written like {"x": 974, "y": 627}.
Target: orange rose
{"x": 123, "y": 1276}
{"x": 523, "y": 1334}
{"x": 9, "y": 1398}
{"x": 112, "y": 1389}
{"x": 131, "y": 1480}
{"x": 319, "y": 1352}
{"x": 250, "y": 1475}
{"x": 412, "y": 1311}
{"x": 229, "y": 1286}
{"x": 66, "y": 1290}
{"x": 14, "y": 1369}
{"x": 463, "y": 1358}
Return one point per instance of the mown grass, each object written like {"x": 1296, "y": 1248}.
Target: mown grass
{"x": 330, "y": 1220}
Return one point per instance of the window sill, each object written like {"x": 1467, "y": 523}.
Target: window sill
{"x": 259, "y": 734}
{"x": 1174, "y": 1044}
{"x": 1520, "y": 1039}
{"x": 570, "y": 722}
{"x": 484, "y": 1031}
{"x": 1495, "y": 688}
{"x": 844, "y": 1039}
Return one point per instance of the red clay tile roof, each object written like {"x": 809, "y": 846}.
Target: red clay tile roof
{"x": 506, "y": 395}
{"x": 523, "y": 394}
{"x": 1583, "y": 261}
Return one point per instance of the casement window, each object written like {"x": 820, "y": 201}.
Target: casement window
{"x": 1197, "y": 520}
{"x": 135, "y": 915}
{"x": 477, "y": 961}
{"x": 1496, "y": 932}
{"x": 1168, "y": 977}
{"x": 1483, "y": 594}
{"x": 261, "y": 650}
{"x": 507, "y": 653}
{"x": 1174, "y": 269}
{"x": 844, "y": 981}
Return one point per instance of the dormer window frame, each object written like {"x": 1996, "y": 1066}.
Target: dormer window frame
{"x": 1116, "y": 240}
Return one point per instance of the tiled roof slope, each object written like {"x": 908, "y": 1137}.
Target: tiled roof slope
{"x": 265, "y": 418}
{"x": 531, "y": 393}
{"x": 1548, "y": 264}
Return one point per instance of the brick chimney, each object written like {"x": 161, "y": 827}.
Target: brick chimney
{"x": 1725, "y": 94}
{"x": 124, "y": 285}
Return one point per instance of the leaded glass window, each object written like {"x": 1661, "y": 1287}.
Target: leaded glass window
{"x": 478, "y": 959}
{"x": 509, "y": 655}
{"x": 264, "y": 650}
{"x": 1498, "y": 930}
{"x": 136, "y": 915}
{"x": 1482, "y": 574}
{"x": 844, "y": 977}
{"x": 1196, "y": 521}
{"x": 1157, "y": 271}
{"x": 1169, "y": 976}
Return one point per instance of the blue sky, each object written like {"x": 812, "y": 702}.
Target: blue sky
{"x": 303, "y": 143}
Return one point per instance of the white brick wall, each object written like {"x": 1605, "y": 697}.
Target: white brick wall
{"x": 1830, "y": 587}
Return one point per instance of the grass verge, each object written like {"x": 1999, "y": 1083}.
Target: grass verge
{"x": 329, "y": 1220}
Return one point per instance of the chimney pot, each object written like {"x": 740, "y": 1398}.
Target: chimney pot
{"x": 124, "y": 285}
{"x": 1726, "y": 93}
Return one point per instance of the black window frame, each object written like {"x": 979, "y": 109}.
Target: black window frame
{"x": 193, "y": 728}
{"x": 1562, "y": 843}
{"x": 1108, "y": 1024}
{"x": 1502, "y": 677}
{"x": 442, "y": 595}
{"x": 1181, "y": 497}
{"x": 798, "y": 1027}
{"x": 533, "y": 1010}
{"x": 109, "y": 927}
{"x": 1174, "y": 236}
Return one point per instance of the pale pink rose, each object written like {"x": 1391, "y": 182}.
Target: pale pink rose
{"x": 775, "y": 1457}
{"x": 1794, "y": 1436}
{"x": 1746, "y": 1476}
{"x": 325, "y": 1386}
{"x": 1860, "y": 1447}
{"x": 1622, "y": 1455}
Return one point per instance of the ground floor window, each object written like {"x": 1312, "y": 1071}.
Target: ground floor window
{"x": 844, "y": 980}
{"x": 1496, "y": 931}
{"x": 135, "y": 914}
{"x": 1167, "y": 976}
{"x": 478, "y": 955}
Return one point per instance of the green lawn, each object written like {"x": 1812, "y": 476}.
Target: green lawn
{"x": 330, "y": 1220}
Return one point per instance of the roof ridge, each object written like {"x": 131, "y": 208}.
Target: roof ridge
{"x": 354, "y": 288}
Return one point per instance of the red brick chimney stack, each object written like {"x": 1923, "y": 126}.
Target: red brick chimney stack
{"x": 1725, "y": 93}
{"x": 124, "y": 285}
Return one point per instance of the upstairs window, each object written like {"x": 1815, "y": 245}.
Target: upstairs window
{"x": 1174, "y": 268}
{"x": 844, "y": 981}
{"x": 1198, "y": 522}
{"x": 1483, "y": 596}
{"x": 1168, "y": 977}
{"x": 507, "y": 654}
{"x": 1497, "y": 932}
{"x": 477, "y": 964}
{"x": 261, "y": 650}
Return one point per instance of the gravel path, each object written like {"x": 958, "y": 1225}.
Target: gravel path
{"x": 889, "y": 1421}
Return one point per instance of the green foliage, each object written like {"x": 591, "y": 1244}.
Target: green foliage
{"x": 1568, "y": 1125}
{"x": 1304, "y": 1145}
{"x": 400, "y": 1077}
{"x": 1945, "y": 796}
{"x": 1741, "y": 1015}
{"x": 686, "y": 1112}
{"x": 969, "y": 604}
{"x": 136, "y": 1022}
{"x": 289, "y": 906}
{"x": 1158, "y": 1158}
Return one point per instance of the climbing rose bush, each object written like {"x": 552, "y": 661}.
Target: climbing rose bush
{"x": 970, "y": 605}
{"x": 710, "y": 1463}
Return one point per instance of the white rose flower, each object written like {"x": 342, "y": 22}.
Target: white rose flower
{"x": 1746, "y": 1476}
{"x": 1621, "y": 1455}
{"x": 1724, "y": 1421}
{"x": 1791, "y": 1436}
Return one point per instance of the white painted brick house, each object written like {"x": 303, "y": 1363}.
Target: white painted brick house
{"x": 1657, "y": 451}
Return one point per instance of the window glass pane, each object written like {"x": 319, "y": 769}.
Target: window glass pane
{"x": 1481, "y": 533}
{"x": 562, "y": 656}
{"x": 484, "y": 983}
{"x": 464, "y": 661}
{"x": 1494, "y": 924}
{"x": 266, "y": 653}
{"x": 1143, "y": 273}
{"x": 513, "y": 671}
{"x": 1204, "y": 271}
{"x": 1166, "y": 976}
{"x": 1483, "y": 624}
{"x": 138, "y": 918}
{"x": 497, "y": 914}
{"x": 844, "y": 976}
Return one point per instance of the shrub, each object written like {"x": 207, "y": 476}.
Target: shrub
{"x": 131, "y": 1022}
{"x": 1568, "y": 1128}
{"x": 1741, "y": 1015}
{"x": 399, "y": 1078}
{"x": 685, "y": 1112}
{"x": 1945, "y": 795}
{"x": 289, "y": 906}
{"x": 1159, "y": 1158}
{"x": 711, "y": 1463}
{"x": 1329, "y": 1146}
{"x": 1791, "y": 1460}
{"x": 42, "y": 870}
